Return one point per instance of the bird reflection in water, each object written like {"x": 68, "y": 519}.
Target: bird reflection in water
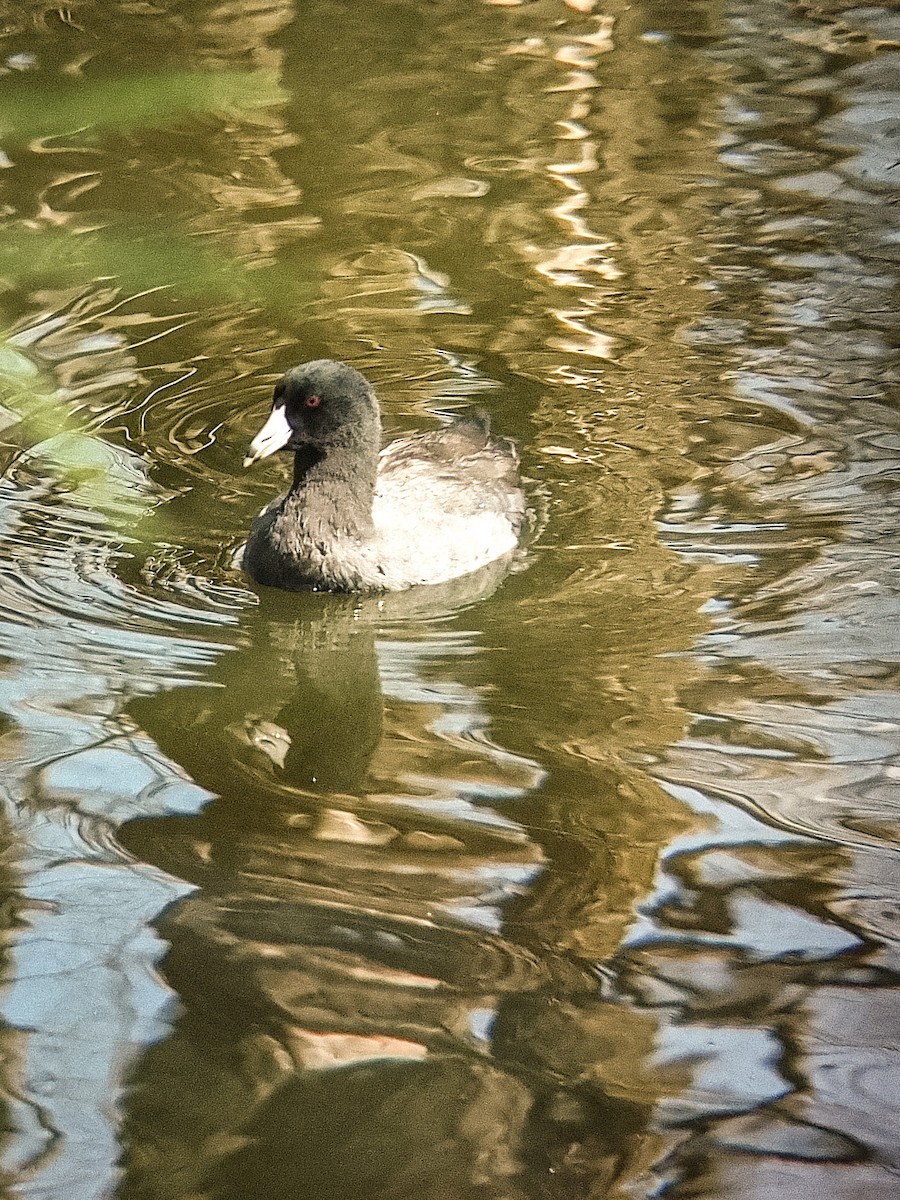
{"x": 348, "y": 914}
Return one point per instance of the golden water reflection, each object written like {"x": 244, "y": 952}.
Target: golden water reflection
{"x": 575, "y": 882}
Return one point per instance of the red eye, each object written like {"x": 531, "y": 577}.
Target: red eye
{"x": 313, "y": 401}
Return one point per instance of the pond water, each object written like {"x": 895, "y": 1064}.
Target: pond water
{"x": 578, "y": 883}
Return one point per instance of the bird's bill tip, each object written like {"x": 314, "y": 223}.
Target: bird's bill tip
{"x": 275, "y": 434}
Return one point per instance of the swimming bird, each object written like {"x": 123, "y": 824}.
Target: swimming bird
{"x": 426, "y": 509}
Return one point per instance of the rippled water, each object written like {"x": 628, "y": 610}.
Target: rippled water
{"x": 581, "y": 882}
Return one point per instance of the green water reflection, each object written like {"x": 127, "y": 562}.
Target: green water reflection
{"x": 573, "y": 882}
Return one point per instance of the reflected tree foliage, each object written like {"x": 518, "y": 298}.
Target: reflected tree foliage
{"x": 573, "y": 882}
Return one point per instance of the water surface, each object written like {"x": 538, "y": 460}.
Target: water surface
{"x": 581, "y": 882}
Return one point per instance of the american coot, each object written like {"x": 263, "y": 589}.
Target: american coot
{"x": 427, "y": 509}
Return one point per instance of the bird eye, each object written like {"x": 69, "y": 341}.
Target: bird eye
{"x": 313, "y": 401}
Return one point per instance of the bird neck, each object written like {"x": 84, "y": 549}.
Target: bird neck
{"x": 334, "y": 489}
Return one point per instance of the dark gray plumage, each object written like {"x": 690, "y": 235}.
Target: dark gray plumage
{"x": 427, "y": 509}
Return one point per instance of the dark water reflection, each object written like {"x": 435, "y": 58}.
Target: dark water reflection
{"x": 581, "y": 882}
